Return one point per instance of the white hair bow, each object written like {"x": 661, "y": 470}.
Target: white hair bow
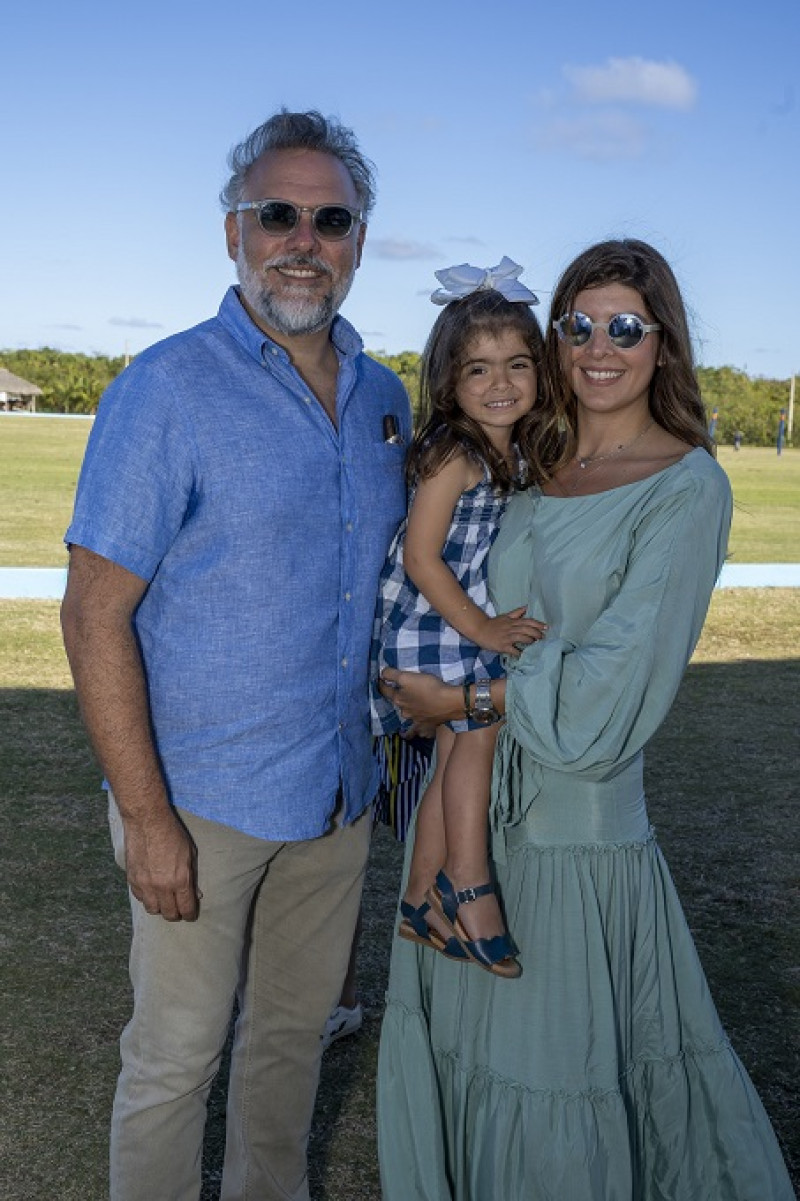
{"x": 463, "y": 280}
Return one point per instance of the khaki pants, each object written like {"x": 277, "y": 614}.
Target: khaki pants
{"x": 275, "y": 927}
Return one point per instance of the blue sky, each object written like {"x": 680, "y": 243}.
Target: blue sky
{"x": 514, "y": 128}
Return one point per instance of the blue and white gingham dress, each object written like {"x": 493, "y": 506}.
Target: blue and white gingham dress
{"x": 409, "y": 634}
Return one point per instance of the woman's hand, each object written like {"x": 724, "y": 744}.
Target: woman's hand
{"x": 509, "y": 633}
{"x": 422, "y": 699}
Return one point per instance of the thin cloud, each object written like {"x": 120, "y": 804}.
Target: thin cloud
{"x": 135, "y": 323}
{"x": 634, "y": 80}
{"x": 466, "y": 241}
{"x": 601, "y": 137}
{"x": 66, "y": 325}
{"x": 400, "y": 251}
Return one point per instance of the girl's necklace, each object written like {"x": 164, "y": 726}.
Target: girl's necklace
{"x": 593, "y": 461}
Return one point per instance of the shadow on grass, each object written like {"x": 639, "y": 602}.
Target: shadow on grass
{"x": 722, "y": 779}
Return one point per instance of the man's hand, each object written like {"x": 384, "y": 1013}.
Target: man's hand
{"x": 422, "y": 699}
{"x": 103, "y": 651}
{"x": 161, "y": 865}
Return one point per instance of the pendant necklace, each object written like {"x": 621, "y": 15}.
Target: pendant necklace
{"x": 592, "y": 461}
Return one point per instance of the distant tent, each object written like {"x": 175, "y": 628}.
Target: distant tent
{"x": 16, "y": 393}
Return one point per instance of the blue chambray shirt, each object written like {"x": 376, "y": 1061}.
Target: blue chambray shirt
{"x": 213, "y": 473}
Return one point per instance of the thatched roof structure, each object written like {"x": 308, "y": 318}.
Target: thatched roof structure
{"x": 17, "y": 393}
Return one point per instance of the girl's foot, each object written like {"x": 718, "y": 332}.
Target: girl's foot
{"x": 480, "y": 916}
{"x": 495, "y": 953}
{"x": 415, "y": 926}
{"x": 415, "y": 909}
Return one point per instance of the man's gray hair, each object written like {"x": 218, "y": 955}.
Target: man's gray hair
{"x": 301, "y": 131}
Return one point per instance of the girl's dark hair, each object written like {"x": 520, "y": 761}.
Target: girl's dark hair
{"x": 444, "y": 430}
{"x": 675, "y": 402}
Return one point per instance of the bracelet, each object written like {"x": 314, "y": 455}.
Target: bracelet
{"x": 467, "y": 704}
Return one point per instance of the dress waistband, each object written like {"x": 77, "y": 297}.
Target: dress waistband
{"x": 570, "y": 810}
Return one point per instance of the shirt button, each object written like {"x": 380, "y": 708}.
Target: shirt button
{"x": 347, "y": 596}
{"x": 349, "y": 527}
{"x": 344, "y": 662}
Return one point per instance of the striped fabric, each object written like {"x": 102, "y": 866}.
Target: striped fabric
{"x": 403, "y": 764}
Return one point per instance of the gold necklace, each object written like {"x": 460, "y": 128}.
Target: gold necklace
{"x": 593, "y": 461}
{"x": 582, "y": 463}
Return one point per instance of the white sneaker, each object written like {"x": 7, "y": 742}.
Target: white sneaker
{"x": 341, "y": 1023}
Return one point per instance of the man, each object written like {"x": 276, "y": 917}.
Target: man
{"x": 234, "y": 509}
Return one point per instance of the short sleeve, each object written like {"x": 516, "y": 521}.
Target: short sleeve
{"x": 139, "y": 473}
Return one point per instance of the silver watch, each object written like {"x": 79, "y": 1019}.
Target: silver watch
{"x": 483, "y": 710}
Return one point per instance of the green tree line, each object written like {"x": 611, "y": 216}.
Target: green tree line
{"x": 74, "y": 383}
{"x": 751, "y": 406}
{"x": 71, "y": 383}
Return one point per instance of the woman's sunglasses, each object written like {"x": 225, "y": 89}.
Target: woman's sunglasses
{"x": 333, "y": 222}
{"x": 625, "y": 330}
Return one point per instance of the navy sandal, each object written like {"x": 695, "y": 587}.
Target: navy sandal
{"x": 495, "y": 955}
{"x": 414, "y": 928}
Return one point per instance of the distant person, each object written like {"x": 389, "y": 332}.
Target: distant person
{"x": 233, "y": 513}
{"x": 603, "y": 1072}
{"x": 480, "y": 375}
{"x": 737, "y": 440}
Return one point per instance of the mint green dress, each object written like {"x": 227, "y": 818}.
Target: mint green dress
{"x": 603, "y": 1073}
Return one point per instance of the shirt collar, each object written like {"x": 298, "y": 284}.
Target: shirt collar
{"x": 237, "y": 322}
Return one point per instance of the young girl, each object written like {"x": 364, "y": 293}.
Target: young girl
{"x": 479, "y": 384}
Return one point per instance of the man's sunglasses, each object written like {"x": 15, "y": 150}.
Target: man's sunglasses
{"x": 333, "y": 222}
{"x": 625, "y": 330}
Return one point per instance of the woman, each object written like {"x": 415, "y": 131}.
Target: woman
{"x": 603, "y": 1073}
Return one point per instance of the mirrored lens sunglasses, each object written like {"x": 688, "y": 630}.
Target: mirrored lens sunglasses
{"x": 333, "y": 222}
{"x": 625, "y": 330}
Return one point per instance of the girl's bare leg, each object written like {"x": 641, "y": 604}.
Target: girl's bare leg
{"x": 465, "y": 791}
{"x": 429, "y": 852}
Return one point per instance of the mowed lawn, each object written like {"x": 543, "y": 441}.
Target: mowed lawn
{"x": 40, "y": 459}
{"x": 766, "y": 496}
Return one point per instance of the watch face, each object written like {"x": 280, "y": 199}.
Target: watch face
{"x": 483, "y": 709}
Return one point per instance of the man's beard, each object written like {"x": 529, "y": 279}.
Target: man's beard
{"x": 287, "y": 315}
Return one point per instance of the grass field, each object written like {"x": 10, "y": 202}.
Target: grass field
{"x": 766, "y": 494}
{"x": 40, "y": 459}
{"x": 723, "y": 787}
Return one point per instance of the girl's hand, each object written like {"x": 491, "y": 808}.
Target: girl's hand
{"x": 509, "y": 633}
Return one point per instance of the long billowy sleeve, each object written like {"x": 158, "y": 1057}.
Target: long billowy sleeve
{"x": 592, "y": 705}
